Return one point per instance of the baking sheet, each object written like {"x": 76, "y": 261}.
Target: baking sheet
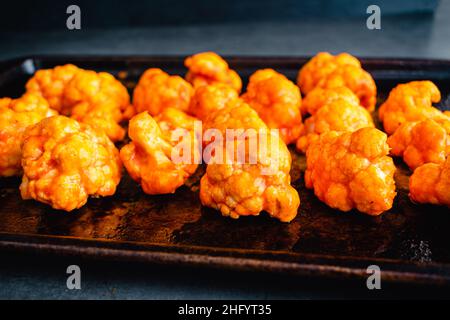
{"x": 410, "y": 243}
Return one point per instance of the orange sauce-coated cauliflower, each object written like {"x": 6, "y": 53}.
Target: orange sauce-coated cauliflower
{"x": 430, "y": 183}
{"x": 421, "y": 142}
{"x": 277, "y": 101}
{"x": 100, "y": 100}
{"x": 339, "y": 115}
{"x": 210, "y": 98}
{"x": 356, "y": 79}
{"x": 319, "y": 97}
{"x": 87, "y": 96}
{"x": 320, "y": 66}
{"x": 148, "y": 158}
{"x": 51, "y": 84}
{"x": 207, "y": 68}
{"x": 410, "y": 101}
{"x": 352, "y": 170}
{"x": 157, "y": 90}
{"x": 64, "y": 162}
{"x": 15, "y": 116}
{"x": 328, "y": 71}
{"x": 95, "y": 88}
{"x": 242, "y": 188}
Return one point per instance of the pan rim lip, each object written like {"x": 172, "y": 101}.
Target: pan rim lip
{"x": 247, "y": 58}
{"x": 142, "y": 252}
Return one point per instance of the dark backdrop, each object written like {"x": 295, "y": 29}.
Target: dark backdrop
{"x": 45, "y": 14}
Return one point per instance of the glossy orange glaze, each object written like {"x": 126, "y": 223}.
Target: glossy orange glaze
{"x": 430, "y": 183}
{"x": 352, "y": 170}
{"x": 410, "y": 101}
{"x": 148, "y": 158}
{"x": 51, "y": 84}
{"x": 421, "y": 142}
{"x": 210, "y": 98}
{"x": 277, "y": 101}
{"x": 208, "y": 68}
{"x": 339, "y": 115}
{"x": 327, "y": 71}
{"x": 240, "y": 189}
{"x": 157, "y": 90}
{"x": 319, "y": 97}
{"x": 15, "y": 116}
{"x": 87, "y": 96}
{"x": 65, "y": 162}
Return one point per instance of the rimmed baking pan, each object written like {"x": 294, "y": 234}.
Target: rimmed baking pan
{"x": 410, "y": 243}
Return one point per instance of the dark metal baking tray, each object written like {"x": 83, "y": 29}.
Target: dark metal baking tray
{"x": 410, "y": 243}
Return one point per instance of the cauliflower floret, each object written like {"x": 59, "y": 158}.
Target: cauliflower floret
{"x": 100, "y": 100}
{"x": 421, "y": 142}
{"x": 327, "y": 71}
{"x": 356, "y": 79}
{"x": 319, "y": 97}
{"x": 352, "y": 170}
{"x": 207, "y": 68}
{"x": 157, "y": 90}
{"x": 320, "y": 66}
{"x": 51, "y": 84}
{"x": 96, "y": 88}
{"x": 102, "y": 115}
{"x": 87, "y": 96}
{"x": 241, "y": 188}
{"x": 430, "y": 183}
{"x": 15, "y": 116}
{"x": 277, "y": 101}
{"x": 410, "y": 101}
{"x": 210, "y": 98}
{"x": 262, "y": 74}
{"x": 149, "y": 157}
{"x": 65, "y": 161}
{"x": 339, "y": 115}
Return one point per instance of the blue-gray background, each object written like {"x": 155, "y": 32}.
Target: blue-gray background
{"x": 418, "y": 28}
{"x": 410, "y": 28}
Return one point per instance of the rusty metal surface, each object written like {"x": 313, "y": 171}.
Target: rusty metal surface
{"x": 410, "y": 242}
